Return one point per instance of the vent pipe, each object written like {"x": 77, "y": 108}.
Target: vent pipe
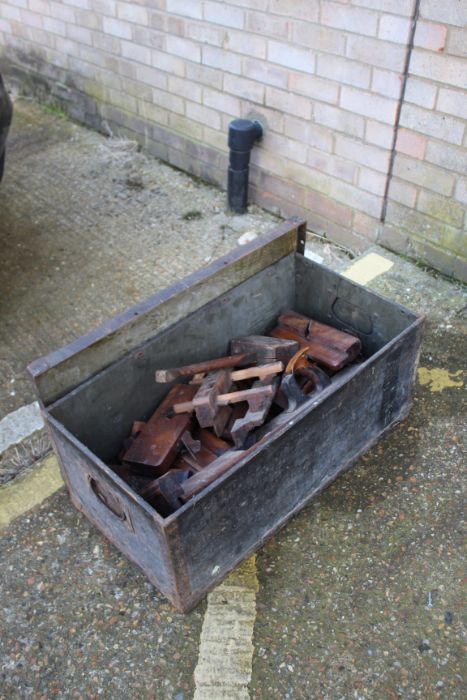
{"x": 242, "y": 135}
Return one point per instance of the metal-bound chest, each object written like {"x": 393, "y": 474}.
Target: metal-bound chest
{"x": 93, "y": 389}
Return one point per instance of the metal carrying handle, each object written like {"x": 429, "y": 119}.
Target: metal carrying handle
{"x": 109, "y": 500}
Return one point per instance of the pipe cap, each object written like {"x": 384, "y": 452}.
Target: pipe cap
{"x": 243, "y": 133}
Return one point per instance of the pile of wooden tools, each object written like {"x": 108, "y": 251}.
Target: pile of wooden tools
{"x": 204, "y": 426}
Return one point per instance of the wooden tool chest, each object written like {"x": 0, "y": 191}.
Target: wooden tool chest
{"x": 92, "y": 390}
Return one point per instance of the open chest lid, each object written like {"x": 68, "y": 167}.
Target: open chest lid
{"x": 63, "y": 370}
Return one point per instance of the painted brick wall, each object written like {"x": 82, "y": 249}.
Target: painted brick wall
{"x": 325, "y": 76}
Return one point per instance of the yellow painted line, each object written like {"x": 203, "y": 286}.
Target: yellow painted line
{"x": 26, "y": 492}
{"x": 367, "y": 268}
{"x": 226, "y": 649}
{"x": 439, "y": 379}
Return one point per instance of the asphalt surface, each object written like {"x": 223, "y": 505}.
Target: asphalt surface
{"x": 360, "y": 596}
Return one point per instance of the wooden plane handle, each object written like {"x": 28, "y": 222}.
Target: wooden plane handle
{"x": 163, "y": 376}
{"x": 257, "y": 372}
{"x": 226, "y": 399}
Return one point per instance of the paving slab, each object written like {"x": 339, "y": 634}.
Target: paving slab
{"x": 359, "y": 596}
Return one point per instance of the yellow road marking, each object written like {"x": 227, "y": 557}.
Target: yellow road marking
{"x": 226, "y": 647}
{"x": 26, "y": 492}
{"x": 367, "y": 268}
{"x": 439, "y": 379}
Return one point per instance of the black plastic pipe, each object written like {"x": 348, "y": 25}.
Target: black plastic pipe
{"x": 242, "y": 135}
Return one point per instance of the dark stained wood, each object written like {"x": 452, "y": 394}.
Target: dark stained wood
{"x": 191, "y": 445}
{"x": 322, "y": 333}
{"x": 186, "y": 463}
{"x": 213, "y": 443}
{"x": 156, "y": 446}
{"x": 258, "y": 409}
{"x": 255, "y": 393}
{"x": 170, "y": 375}
{"x": 137, "y": 427}
{"x": 330, "y": 358}
{"x": 164, "y": 493}
{"x": 238, "y": 411}
{"x": 207, "y": 409}
{"x": 265, "y": 348}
